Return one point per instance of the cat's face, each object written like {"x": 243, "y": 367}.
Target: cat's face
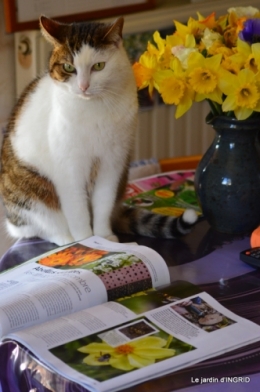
{"x": 86, "y": 57}
{"x": 88, "y": 73}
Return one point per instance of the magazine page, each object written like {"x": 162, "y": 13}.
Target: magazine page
{"x": 76, "y": 277}
{"x": 167, "y": 193}
{"x": 139, "y": 337}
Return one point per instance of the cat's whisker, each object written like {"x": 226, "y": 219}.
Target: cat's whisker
{"x": 107, "y": 91}
{"x": 112, "y": 101}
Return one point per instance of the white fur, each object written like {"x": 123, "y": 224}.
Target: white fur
{"x": 63, "y": 127}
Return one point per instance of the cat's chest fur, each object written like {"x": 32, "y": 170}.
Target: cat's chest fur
{"x": 58, "y": 131}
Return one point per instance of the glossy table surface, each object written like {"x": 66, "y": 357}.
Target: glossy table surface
{"x": 211, "y": 261}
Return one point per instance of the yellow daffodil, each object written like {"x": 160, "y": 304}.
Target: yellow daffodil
{"x": 230, "y": 36}
{"x": 176, "y": 40}
{"x": 164, "y": 50}
{"x": 174, "y": 88}
{"x": 193, "y": 27}
{"x": 144, "y": 71}
{"x": 219, "y": 48}
{"x": 247, "y": 56}
{"x": 134, "y": 354}
{"x": 221, "y": 23}
{"x": 160, "y": 42}
{"x": 243, "y": 51}
{"x": 203, "y": 76}
{"x": 209, "y": 21}
{"x": 231, "y": 65}
{"x": 253, "y": 60}
{"x": 242, "y": 91}
{"x": 159, "y": 49}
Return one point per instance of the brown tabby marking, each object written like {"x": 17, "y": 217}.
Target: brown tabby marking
{"x": 96, "y": 35}
{"x": 32, "y": 186}
{"x": 20, "y": 105}
{"x": 59, "y": 57}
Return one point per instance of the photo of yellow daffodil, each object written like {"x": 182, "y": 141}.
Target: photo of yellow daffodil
{"x": 208, "y": 58}
{"x": 96, "y": 358}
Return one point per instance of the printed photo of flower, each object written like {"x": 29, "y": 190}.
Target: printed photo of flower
{"x": 95, "y": 358}
{"x": 74, "y": 256}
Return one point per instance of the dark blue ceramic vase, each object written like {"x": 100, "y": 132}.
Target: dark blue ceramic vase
{"x": 227, "y": 180}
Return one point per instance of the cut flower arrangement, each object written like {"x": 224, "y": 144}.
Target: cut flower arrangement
{"x": 217, "y": 60}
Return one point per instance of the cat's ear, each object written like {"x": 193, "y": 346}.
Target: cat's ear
{"x": 54, "y": 32}
{"x": 114, "y": 31}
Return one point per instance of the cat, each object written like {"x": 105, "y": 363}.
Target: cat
{"x": 69, "y": 140}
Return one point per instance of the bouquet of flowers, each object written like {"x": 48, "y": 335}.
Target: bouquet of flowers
{"x": 211, "y": 59}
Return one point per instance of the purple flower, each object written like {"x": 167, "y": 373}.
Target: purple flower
{"x": 251, "y": 31}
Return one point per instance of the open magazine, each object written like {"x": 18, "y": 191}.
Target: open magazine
{"x": 105, "y": 315}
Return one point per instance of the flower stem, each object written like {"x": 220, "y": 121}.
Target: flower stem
{"x": 215, "y": 108}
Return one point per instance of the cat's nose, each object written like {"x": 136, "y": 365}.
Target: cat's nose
{"x": 83, "y": 86}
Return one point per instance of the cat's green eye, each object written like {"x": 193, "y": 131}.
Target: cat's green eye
{"x": 99, "y": 66}
{"x": 69, "y": 68}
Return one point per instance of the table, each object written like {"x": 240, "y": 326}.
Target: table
{"x": 203, "y": 257}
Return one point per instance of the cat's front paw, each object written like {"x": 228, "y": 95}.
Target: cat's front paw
{"x": 81, "y": 235}
{"x": 60, "y": 240}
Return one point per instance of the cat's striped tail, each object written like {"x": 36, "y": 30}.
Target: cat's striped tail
{"x": 139, "y": 221}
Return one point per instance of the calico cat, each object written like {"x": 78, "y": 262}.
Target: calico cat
{"x": 69, "y": 140}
